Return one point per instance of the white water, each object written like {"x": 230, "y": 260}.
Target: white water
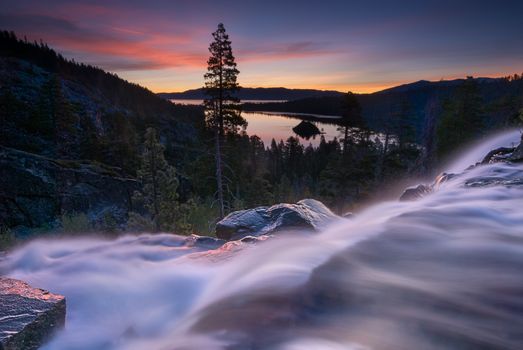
{"x": 475, "y": 152}
{"x": 444, "y": 272}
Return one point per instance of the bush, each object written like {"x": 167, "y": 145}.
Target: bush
{"x": 75, "y": 223}
{"x": 7, "y": 238}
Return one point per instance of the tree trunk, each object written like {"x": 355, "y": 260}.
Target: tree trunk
{"x": 345, "y": 140}
{"x": 155, "y": 188}
{"x": 219, "y": 180}
{"x": 383, "y": 156}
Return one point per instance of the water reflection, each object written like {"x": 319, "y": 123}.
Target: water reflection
{"x": 268, "y": 126}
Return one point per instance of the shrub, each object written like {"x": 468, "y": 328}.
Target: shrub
{"x": 75, "y": 223}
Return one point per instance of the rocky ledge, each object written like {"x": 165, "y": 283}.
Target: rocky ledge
{"x": 35, "y": 190}
{"x": 28, "y": 316}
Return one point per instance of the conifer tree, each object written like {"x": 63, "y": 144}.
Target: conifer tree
{"x": 463, "y": 117}
{"x": 158, "y": 195}
{"x": 222, "y": 109}
{"x": 351, "y": 117}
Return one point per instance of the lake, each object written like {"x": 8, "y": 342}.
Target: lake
{"x": 196, "y": 102}
{"x": 279, "y": 125}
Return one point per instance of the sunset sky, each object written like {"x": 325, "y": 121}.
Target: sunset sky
{"x": 361, "y": 46}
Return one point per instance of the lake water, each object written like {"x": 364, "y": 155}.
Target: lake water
{"x": 196, "y": 102}
{"x": 279, "y": 125}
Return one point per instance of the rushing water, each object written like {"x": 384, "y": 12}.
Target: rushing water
{"x": 444, "y": 272}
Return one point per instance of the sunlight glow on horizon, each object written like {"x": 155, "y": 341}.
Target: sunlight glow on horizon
{"x": 163, "y": 45}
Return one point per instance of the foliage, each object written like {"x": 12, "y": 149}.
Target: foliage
{"x": 75, "y": 223}
{"x": 221, "y": 107}
{"x": 158, "y": 196}
{"x": 351, "y": 118}
{"x": 463, "y": 118}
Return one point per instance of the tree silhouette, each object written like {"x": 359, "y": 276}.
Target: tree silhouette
{"x": 222, "y": 108}
{"x": 351, "y": 117}
{"x": 158, "y": 195}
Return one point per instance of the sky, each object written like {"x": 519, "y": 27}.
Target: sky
{"x": 361, "y": 46}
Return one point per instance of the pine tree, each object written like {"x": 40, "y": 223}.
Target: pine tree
{"x": 158, "y": 196}
{"x": 404, "y": 124}
{"x": 222, "y": 108}
{"x": 63, "y": 119}
{"x": 351, "y": 117}
{"x": 463, "y": 118}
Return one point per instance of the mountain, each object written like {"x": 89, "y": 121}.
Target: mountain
{"x": 276, "y": 93}
{"x": 70, "y": 136}
{"x": 58, "y": 108}
{"x": 502, "y": 98}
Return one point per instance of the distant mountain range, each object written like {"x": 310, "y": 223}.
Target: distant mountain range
{"x": 276, "y": 93}
{"x": 501, "y": 98}
{"x": 281, "y": 93}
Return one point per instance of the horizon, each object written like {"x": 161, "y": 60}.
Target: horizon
{"x": 342, "y": 46}
{"x": 358, "y": 93}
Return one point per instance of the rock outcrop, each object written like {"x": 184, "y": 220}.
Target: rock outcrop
{"x": 306, "y": 214}
{"x": 28, "y": 316}
{"x": 35, "y": 190}
{"x": 501, "y": 154}
{"x": 517, "y": 155}
{"x": 415, "y": 193}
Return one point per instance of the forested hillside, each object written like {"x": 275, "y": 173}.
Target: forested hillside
{"x": 59, "y": 108}
{"x": 78, "y": 144}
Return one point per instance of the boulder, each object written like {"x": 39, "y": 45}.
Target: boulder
{"x": 420, "y": 191}
{"x": 307, "y": 214}
{"x": 498, "y": 154}
{"x": 28, "y": 316}
{"x": 415, "y": 193}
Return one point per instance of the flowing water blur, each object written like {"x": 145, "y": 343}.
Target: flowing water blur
{"x": 444, "y": 272}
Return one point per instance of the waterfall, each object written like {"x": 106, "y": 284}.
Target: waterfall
{"x": 443, "y": 272}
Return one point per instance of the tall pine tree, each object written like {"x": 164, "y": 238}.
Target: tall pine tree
{"x": 222, "y": 108}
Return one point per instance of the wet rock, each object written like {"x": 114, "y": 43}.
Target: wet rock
{"x": 308, "y": 213}
{"x": 348, "y": 215}
{"x": 517, "y": 155}
{"x": 415, "y": 193}
{"x": 205, "y": 242}
{"x": 499, "y": 154}
{"x": 28, "y": 316}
